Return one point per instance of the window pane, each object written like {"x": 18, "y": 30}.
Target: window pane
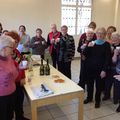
{"x": 69, "y": 2}
{"x": 69, "y": 18}
{"x": 85, "y": 2}
{"x": 84, "y": 18}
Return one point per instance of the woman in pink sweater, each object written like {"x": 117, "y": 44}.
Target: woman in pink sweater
{"x": 8, "y": 74}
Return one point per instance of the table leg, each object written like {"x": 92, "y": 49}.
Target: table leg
{"x": 33, "y": 111}
{"x": 80, "y": 105}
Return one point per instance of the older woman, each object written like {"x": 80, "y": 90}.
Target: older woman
{"x": 116, "y": 61}
{"x": 98, "y": 55}
{"x": 20, "y": 80}
{"x": 115, "y": 45}
{"x": 52, "y": 39}
{"x": 25, "y": 40}
{"x": 66, "y": 52}
{"x": 8, "y": 74}
{"x": 92, "y": 25}
{"x": 81, "y": 46}
{"x": 110, "y": 30}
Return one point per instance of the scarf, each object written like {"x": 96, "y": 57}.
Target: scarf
{"x": 99, "y": 42}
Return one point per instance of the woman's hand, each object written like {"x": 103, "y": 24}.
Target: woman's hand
{"x": 117, "y": 77}
{"x": 91, "y": 44}
{"x": 103, "y": 74}
{"x": 83, "y": 46}
{"x": 37, "y": 42}
{"x": 58, "y": 40}
{"x": 52, "y": 41}
{"x": 22, "y": 82}
{"x": 116, "y": 52}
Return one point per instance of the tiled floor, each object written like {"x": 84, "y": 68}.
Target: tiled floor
{"x": 68, "y": 110}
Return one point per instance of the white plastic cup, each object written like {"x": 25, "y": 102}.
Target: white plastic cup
{"x": 58, "y": 39}
{"x": 93, "y": 42}
{"x": 118, "y": 48}
{"x": 24, "y": 63}
{"x": 43, "y": 42}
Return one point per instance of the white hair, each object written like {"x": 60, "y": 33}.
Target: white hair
{"x": 90, "y": 30}
{"x": 53, "y": 25}
{"x": 116, "y": 34}
{"x": 6, "y": 41}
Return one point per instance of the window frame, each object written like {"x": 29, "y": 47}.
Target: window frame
{"x": 77, "y": 6}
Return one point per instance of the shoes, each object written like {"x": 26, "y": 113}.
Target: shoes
{"x": 118, "y": 109}
{"x": 97, "y": 105}
{"x": 115, "y": 102}
{"x": 87, "y": 101}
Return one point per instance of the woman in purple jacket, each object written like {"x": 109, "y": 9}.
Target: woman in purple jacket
{"x": 8, "y": 74}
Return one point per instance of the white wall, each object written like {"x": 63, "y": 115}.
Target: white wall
{"x": 32, "y": 13}
{"x": 103, "y": 12}
{"x": 118, "y": 16}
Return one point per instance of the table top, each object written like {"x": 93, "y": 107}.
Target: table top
{"x": 58, "y": 88}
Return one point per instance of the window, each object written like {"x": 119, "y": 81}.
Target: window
{"x": 76, "y": 14}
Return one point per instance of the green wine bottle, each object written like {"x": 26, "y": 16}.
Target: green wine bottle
{"x": 41, "y": 68}
{"x": 47, "y": 68}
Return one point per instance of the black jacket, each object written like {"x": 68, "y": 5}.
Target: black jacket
{"x": 66, "y": 48}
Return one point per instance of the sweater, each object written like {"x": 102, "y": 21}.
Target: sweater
{"x": 98, "y": 58}
{"x": 8, "y": 75}
{"x": 38, "y": 49}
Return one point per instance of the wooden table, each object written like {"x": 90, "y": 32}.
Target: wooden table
{"x": 62, "y": 91}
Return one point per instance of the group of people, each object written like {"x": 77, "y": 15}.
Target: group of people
{"x": 13, "y": 46}
{"x": 100, "y": 63}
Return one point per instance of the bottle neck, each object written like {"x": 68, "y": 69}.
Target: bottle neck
{"x": 47, "y": 62}
{"x": 41, "y": 61}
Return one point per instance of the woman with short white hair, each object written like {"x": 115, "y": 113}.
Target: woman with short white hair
{"x": 116, "y": 62}
{"x": 83, "y": 43}
{"x": 8, "y": 74}
{"x": 115, "y": 45}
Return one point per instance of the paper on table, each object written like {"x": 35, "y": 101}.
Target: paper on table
{"x": 39, "y": 92}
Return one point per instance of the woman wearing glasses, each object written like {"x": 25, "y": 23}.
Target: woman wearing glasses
{"x": 20, "y": 81}
{"x": 98, "y": 58}
{"x": 8, "y": 74}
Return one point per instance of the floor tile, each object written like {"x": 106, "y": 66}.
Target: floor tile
{"x": 56, "y": 112}
{"x": 44, "y": 115}
{"x": 69, "y": 109}
{"x": 110, "y": 117}
{"x": 97, "y": 113}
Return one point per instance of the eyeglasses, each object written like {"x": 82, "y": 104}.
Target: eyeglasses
{"x": 100, "y": 33}
{"x": 9, "y": 47}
